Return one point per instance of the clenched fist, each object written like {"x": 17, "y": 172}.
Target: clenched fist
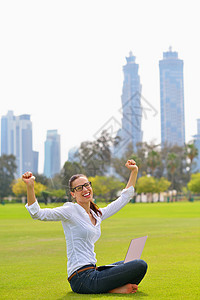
{"x": 131, "y": 165}
{"x": 28, "y": 178}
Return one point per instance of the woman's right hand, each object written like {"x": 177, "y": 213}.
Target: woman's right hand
{"x": 28, "y": 178}
{"x": 131, "y": 165}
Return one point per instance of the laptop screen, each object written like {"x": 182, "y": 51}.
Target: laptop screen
{"x": 135, "y": 248}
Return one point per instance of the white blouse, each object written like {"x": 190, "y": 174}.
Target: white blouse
{"x": 80, "y": 233}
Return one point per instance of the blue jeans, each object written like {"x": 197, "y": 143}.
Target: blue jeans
{"x": 96, "y": 282}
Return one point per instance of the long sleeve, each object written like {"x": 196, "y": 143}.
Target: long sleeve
{"x": 61, "y": 213}
{"x": 118, "y": 204}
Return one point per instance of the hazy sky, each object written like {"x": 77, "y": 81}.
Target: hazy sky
{"x": 61, "y": 62}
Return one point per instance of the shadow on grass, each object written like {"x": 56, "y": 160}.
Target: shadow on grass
{"x": 72, "y": 295}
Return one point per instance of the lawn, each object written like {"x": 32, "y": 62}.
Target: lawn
{"x": 33, "y": 253}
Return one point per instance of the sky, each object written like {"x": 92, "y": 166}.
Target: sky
{"x": 62, "y": 63}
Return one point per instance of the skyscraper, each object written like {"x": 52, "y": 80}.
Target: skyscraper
{"x": 73, "y": 154}
{"x": 131, "y": 132}
{"x": 16, "y": 139}
{"x": 172, "y": 99}
{"x": 52, "y": 153}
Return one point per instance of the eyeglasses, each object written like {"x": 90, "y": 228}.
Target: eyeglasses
{"x": 79, "y": 188}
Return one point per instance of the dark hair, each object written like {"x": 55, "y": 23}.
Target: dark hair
{"x": 93, "y": 206}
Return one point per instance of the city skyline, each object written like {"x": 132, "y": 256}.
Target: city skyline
{"x": 52, "y": 154}
{"x": 131, "y": 123}
{"x": 138, "y": 96}
{"x": 65, "y": 70}
{"x": 172, "y": 113}
{"x": 16, "y": 139}
{"x": 11, "y": 123}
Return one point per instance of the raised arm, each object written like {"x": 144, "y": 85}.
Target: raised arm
{"x": 61, "y": 213}
{"x": 29, "y": 179}
{"x": 126, "y": 194}
{"x": 131, "y": 165}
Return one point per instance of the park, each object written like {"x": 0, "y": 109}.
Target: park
{"x": 33, "y": 253}
{"x": 98, "y": 97}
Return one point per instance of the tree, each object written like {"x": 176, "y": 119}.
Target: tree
{"x": 46, "y": 195}
{"x": 56, "y": 183}
{"x": 8, "y": 169}
{"x": 59, "y": 194}
{"x": 118, "y": 163}
{"x": 149, "y": 156}
{"x": 95, "y": 156}
{"x": 106, "y": 188}
{"x": 194, "y": 183}
{"x": 162, "y": 185}
{"x": 180, "y": 176}
{"x": 142, "y": 153}
{"x": 169, "y": 162}
{"x": 19, "y": 188}
{"x": 172, "y": 165}
{"x": 153, "y": 161}
{"x": 146, "y": 184}
{"x": 56, "y": 195}
{"x": 114, "y": 186}
{"x": 191, "y": 152}
{"x": 42, "y": 179}
{"x": 39, "y": 188}
{"x": 99, "y": 185}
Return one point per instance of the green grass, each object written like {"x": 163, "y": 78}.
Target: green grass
{"x": 33, "y": 253}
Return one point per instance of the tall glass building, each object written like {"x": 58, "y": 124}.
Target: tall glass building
{"x": 52, "y": 154}
{"x": 172, "y": 99}
{"x": 73, "y": 154}
{"x": 131, "y": 131}
{"x": 16, "y": 139}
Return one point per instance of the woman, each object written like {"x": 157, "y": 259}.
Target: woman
{"x": 81, "y": 223}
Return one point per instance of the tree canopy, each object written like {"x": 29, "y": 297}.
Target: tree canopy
{"x": 149, "y": 184}
{"x": 146, "y": 184}
{"x": 19, "y": 188}
{"x": 194, "y": 183}
{"x": 106, "y": 188}
{"x": 95, "y": 156}
{"x": 8, "y": 169}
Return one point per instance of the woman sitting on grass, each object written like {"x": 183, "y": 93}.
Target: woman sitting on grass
{"x": 81, "y": 223}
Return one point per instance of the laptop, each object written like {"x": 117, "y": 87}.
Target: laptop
{"x": 134, "y": 251}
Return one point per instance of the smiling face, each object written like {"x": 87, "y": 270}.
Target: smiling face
{"x": 86, "y": 194}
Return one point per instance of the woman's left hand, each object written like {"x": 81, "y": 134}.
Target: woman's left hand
{"x": 131, "y": 165}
